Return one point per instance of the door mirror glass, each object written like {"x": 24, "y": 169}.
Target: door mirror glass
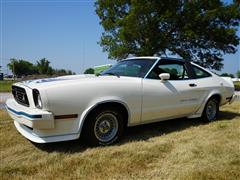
{"x": 164, "y": 76}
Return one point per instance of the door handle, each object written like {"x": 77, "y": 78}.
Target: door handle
{"x": 192, "y": 85}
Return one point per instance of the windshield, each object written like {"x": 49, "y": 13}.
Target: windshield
{"x": 132, "y": 68}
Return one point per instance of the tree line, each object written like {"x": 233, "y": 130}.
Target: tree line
{"x": 20, "y": 67}
{"x": 231, "y": 75}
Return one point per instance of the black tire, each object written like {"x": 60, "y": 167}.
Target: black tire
{"x": 107, "y": 119}
{"x": 211, "y": 110}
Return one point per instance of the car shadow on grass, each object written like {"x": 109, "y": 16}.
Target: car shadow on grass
{"x": 137, "y": 133}
{"x": 145, "y": 132}
{"x": 226, "y": 115}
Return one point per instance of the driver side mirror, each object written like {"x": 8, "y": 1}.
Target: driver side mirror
{"x": 164, "y": 76}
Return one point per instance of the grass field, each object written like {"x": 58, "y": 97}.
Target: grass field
{"x": 237, "y": 86}
{"x": 177, "y": 149}
{"x": 6, "y": 86}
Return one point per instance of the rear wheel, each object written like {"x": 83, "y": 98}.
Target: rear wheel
{"x": 211, "y": 110}
{"x": 104, "y": 126}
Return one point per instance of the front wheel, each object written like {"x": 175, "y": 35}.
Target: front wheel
{"x": 211, "y": 110}
{"x": 104, "y": 126}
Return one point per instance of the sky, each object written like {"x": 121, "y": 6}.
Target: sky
{"x": 66, "y": 32}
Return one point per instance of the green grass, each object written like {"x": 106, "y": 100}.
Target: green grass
{"x": 6, "y": 85}
{"x": 176, "y": 149}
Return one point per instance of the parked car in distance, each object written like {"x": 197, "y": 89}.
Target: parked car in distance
{"x": 135, "y": 91}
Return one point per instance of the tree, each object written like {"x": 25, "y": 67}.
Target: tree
{"x": 43, "y": 66}
{"x": 227, "y": 75}
{"x": 89, "y": 71}
{"x": 21, "y": 67}
{"x": 69, "y": 72}
{"x": 60, "y": 72}
{"x": 201, "y": 31}
{"x": 238, "y": 73}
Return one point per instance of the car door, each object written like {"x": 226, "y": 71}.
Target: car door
{"x": 169, "y": 98}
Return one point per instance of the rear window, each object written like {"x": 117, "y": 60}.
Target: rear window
{"x": 200, "y": 73}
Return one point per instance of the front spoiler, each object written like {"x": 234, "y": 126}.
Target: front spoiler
{"x": 28, "y": 133}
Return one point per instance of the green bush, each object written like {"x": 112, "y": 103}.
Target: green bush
{"x": 237, "y": 86}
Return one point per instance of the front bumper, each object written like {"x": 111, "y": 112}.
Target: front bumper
{"x": 37, "y": 125}
{"x": 33, "y": 118}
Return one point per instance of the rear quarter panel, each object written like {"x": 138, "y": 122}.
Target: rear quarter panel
{"x": 210, "y": 86}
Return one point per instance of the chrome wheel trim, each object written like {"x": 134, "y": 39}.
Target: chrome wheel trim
{"x": 106, "y": 127}
{"x": 211, "y": 110}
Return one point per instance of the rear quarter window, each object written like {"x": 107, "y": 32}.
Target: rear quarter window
{"x": 200, "y": 73}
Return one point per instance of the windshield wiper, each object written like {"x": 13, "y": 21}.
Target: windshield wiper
{"x": 110, "y": 73}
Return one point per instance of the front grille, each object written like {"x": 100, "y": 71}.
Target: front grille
{"x": 20, "y": 95}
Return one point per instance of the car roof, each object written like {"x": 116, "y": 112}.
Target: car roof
{"x": 154, "y": 57}
{"x": 142, "y": 57}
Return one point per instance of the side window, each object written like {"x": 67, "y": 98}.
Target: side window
{"x": 176, "y": 71}
{"x": 200, "y": 73}
{"x": 133, "y": 70}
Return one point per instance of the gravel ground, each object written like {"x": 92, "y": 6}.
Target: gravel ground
{"x": 3, "y": 98}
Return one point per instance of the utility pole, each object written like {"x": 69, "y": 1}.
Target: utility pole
{"x": 13, "y": 70}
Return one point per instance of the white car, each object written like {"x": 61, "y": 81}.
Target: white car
{"x": 134, "y": 91}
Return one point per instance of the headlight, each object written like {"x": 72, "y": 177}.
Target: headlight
{"x": 37, "y": 99}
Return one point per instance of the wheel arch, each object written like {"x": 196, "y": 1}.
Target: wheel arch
{"x": 121, "y": 105}
{"x": 215, "y": 94}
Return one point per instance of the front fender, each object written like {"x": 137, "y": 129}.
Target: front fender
{"x": 96, "y": 103}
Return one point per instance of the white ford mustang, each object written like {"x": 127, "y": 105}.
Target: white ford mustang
{"x": 134, "y": 91}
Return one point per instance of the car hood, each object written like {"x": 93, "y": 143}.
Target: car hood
{"x": 67, "y": 80}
